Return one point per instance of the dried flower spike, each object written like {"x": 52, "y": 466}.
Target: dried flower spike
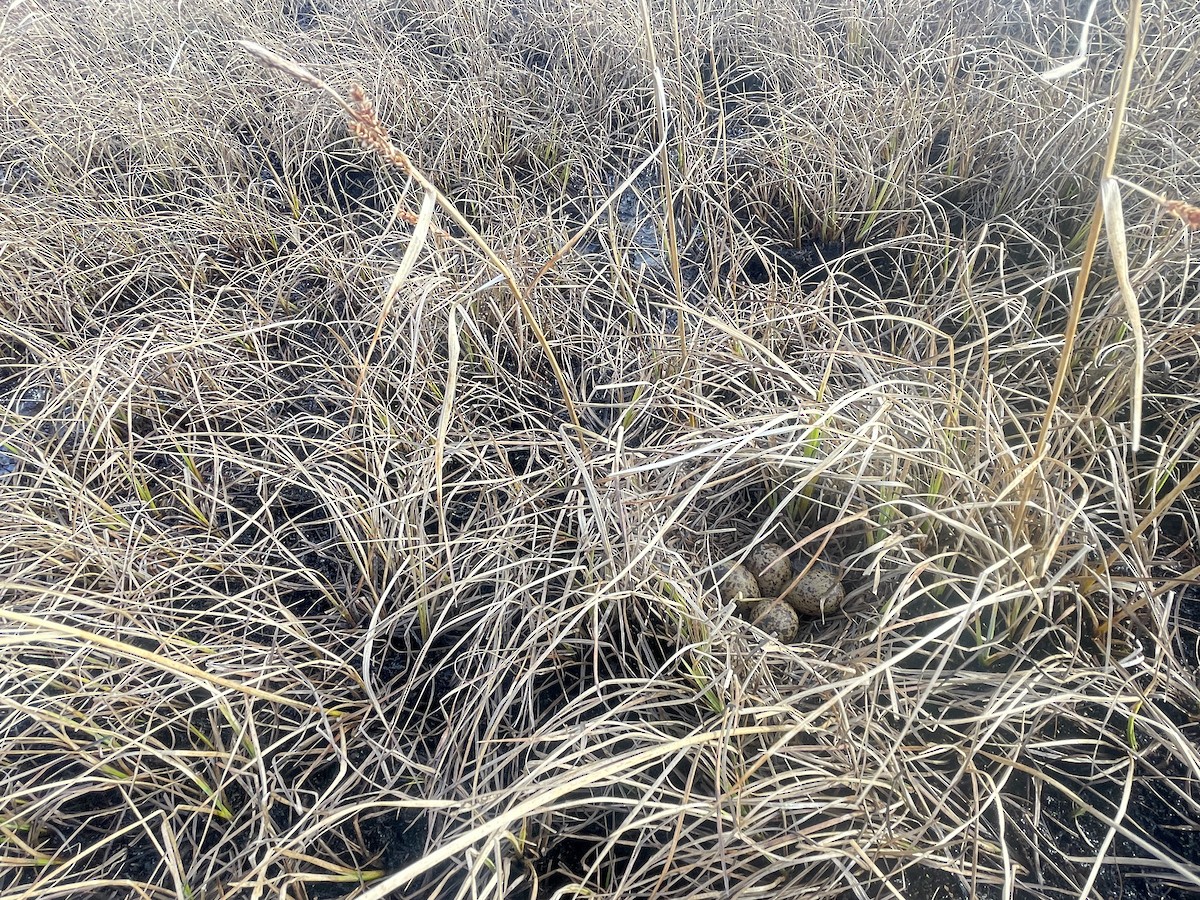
{"x": 1187, "y": 212}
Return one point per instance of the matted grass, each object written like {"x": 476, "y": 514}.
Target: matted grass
{"x": 311, "y": 585}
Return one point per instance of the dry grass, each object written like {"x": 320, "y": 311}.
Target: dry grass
{"x": 311, "y": 584}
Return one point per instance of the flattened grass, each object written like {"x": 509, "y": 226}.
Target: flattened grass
{"x": 311, "y": 586}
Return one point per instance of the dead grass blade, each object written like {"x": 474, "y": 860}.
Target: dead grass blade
{"x": 1114, "y": 223}
{"x": 157, "y": 660}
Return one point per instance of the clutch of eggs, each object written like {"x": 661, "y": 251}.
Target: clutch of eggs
{"x": 772, "y": 589}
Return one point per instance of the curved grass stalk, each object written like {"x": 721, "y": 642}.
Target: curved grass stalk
{"x": 365, "y": 126}
{"x": 1120, "y": 103}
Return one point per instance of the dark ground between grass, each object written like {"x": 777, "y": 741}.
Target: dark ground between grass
{"x": 312, "y": 586}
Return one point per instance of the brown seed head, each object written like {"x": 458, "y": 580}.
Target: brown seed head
{"x": 1187, "y": 212}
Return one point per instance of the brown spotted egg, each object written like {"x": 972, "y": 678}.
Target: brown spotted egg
{"x": 816, "y": 593}
{"x": 776, "y": 618}
{"x": 737, "y": 584}
{"x": 770, "y": 565}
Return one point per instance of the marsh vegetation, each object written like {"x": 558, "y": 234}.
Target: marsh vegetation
{"x": 359, "y": 539}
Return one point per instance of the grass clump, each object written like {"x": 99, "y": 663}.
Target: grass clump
{"x": 362, "y": 491}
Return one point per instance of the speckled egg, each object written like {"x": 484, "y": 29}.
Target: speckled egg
{"x": 777, "y": 619}
{"x": 817, "y": 593}
{"x": 770, "y": 565}
{"x": 736, "y": 583}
